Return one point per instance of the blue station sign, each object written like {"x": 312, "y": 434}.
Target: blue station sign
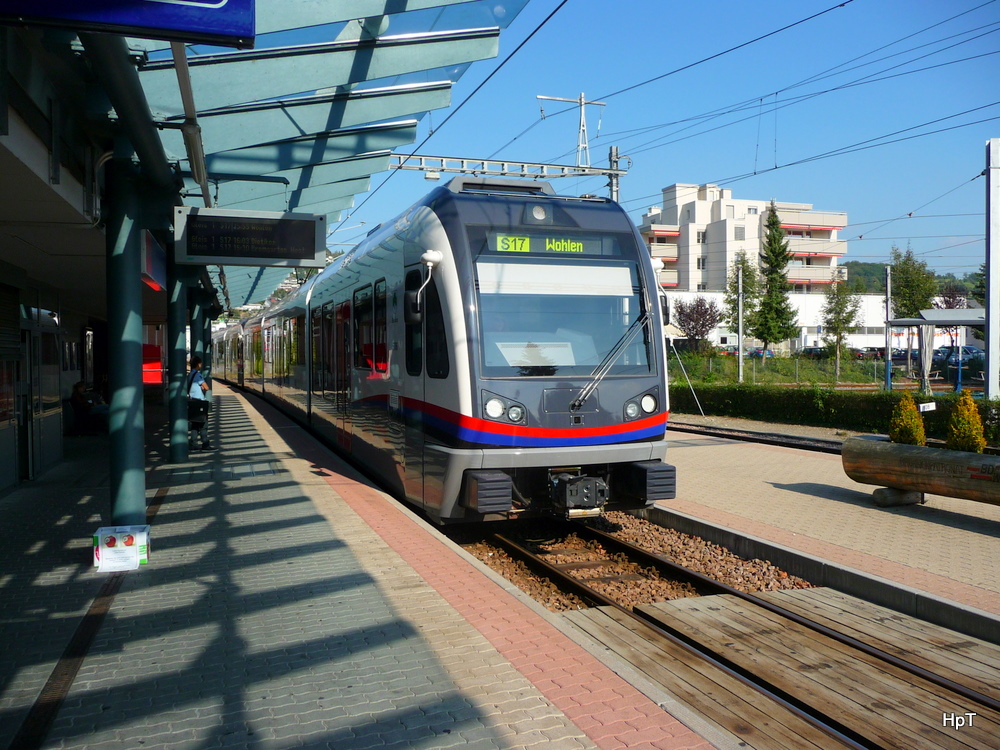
{"x": 228, "y": 23}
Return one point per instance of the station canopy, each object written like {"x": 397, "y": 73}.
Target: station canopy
{"x": 303, "y": 120}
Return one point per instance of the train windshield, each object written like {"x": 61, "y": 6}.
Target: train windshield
{"x": 559, "y": 309}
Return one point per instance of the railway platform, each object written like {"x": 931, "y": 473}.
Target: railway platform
{"x": 289, "y": 603}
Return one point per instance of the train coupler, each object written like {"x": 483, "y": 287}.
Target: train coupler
{"x": 579, "y": 496}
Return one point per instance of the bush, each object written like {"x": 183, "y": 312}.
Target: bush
{"x": 965, "y": 430}
{"x": 859, "y": 411}
{"x": 906, "y": 425}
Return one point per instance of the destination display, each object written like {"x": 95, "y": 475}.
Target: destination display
{"x": 549, "y": 244}
{"x": 205, "y": 236}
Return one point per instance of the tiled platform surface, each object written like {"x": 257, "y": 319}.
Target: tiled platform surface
{"x": 287, "y": 604}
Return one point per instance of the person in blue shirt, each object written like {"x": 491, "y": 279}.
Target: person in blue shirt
{"x": 198, "y": 390}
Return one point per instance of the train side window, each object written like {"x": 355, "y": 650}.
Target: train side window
{"x": 329, "y": 346}
{"x": 381, "y": 329}
{"x": 437, "y": 338}
{"x": 317, "y": 350}
{"x": 364, "y": 340}
{"x": 414, "y": 332}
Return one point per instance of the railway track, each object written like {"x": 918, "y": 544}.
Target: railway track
{"x": 819, "y": 445}
{"x": 805, "y": 668}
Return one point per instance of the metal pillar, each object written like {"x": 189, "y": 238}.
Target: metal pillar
{"x": 992, "y": 268}
{"x": 177, "y": 359}
{"x": 739, "y": 323}
{"x": 209, "y": 349}
{"x": 124, "y": 290}
{"x": 888, "y": 329}
{"x": 614, "y": 179}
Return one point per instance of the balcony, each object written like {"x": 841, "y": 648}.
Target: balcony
{"x": 815, "y": 274}
{"x": 669, "y": 277}
{"x": 819, "y": 248}
{"x": 662, "y": 251}
{"x": 813, "y": 219}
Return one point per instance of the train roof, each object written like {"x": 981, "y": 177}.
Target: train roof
{"x": 498, "y": 185}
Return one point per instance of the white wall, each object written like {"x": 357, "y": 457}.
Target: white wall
{"x": 809, "y": 308}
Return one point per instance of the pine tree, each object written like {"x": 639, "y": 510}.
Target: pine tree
{"x": 775, "y": 318}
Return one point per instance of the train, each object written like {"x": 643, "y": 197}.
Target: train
{"x": 494, "y": 352}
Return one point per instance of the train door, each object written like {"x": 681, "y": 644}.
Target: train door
{"x": 412, "y": 410}
{"x": 342, "y": 374}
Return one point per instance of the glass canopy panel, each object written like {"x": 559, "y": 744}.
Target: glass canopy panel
{"x": 347, "y": 119}
{"x": 231, "y": 191}
{"x": 237, "y": 78}
{"x": 243, "y": 126}
{"x": 273, "y": 157}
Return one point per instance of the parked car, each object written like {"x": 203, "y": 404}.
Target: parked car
{"x": 727, "y": 351}
{"x": 871, "y": 352}
{"x": 965, "y": 354}
{"x": 899, "y": 357}
{"x": 814, "y": 352}
{"x": 950, "y": 355}
{"x": 760, "y": 353}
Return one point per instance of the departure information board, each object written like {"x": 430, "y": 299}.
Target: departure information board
{"x": 205, "y": 236}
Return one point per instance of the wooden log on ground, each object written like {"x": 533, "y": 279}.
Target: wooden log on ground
{"x": 872, "y": 459}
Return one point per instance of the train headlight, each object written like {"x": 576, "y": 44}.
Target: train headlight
{"x": 494, "y": 408}
{"x": 648, "y": 403}
{"x": 515, "y": 413}
{"x": 631, "y": 410}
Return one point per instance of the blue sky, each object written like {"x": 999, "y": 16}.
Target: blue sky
{"x": 847, "y": 78}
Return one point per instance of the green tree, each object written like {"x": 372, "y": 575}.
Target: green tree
{"x": 913, "y": 289}
{"x": 752, "y": 289}
{"x": 696, "y": 318}
{"x": 869, "y": 275}
{"x": 775, "y": 318}
{"x": 913, "y": 285}
{"x": 977, "y": 284}
{"x": 841, "y": 315}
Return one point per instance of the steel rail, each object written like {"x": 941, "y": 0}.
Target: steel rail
{"x": 819, "y": 445}
{"x": 675, "y": 569}
{"x": 827, "y": 725}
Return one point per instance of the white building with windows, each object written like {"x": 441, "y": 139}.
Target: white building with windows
{"x": 695, "y": 236}
{"x": 698, "y": 231}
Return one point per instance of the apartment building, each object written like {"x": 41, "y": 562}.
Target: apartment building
{"x": 697, "y": 232}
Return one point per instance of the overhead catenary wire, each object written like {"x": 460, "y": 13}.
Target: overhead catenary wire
{"x": 678, "y": 70}
{"x": 465, "y": 101}
{"x": 755, "y": 102}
